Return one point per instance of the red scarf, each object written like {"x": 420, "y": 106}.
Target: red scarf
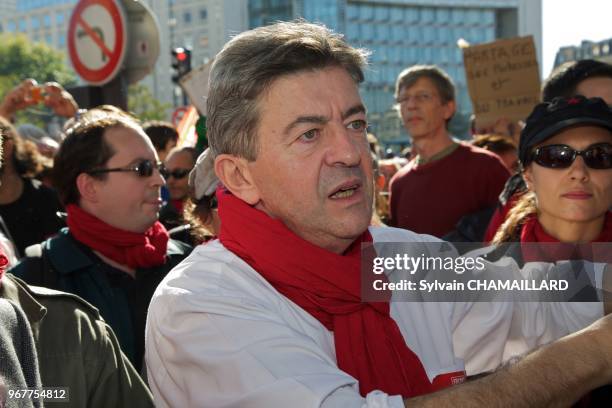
{"x": 3, "y": 264}
{"x": 369, "y": 345}
{"x": 135, "y": 250}
{"x": 178, "y": 205}
{"x": 533, "y": 232}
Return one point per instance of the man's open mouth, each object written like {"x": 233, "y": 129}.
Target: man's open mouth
{"x": 345, "y": 192}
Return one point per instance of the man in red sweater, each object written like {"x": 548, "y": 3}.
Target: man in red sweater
{"x": 447, "y": 179}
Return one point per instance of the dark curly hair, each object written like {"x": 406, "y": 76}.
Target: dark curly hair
{"x": 26, "y": 158}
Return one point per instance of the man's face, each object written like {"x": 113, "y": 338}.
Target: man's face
{"x": 596, "y": 87}
{"x": 422, "y": 110}
{"x": 124, "y": 199}
{"x": 178, "y": 164}
{"x": 313, "y": 169}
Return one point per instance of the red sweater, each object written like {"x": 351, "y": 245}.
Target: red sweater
{"x": 431, "y": 198}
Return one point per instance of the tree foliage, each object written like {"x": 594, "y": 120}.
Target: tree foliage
{"x": 144, "y": 106}
{"x": 21, "y": 58}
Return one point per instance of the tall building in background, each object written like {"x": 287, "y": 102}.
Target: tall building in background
{"x": 40, "y": 20}
{"x": 601, "y": 50}
{"x": 203, "y": 25}
{"x": 7, "y": 7}
{"x": 401, "y": 33}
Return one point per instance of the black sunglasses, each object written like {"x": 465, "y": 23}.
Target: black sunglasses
{"x": 143, "y": 168}
{"x": 559, "y": 156}
{"x": 177, "y": 174}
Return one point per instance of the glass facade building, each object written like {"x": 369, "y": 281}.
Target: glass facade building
{"x": 601, "y": 50}
{"x": 7, "y": 7}
{"x": 40, "y": 20}
{"x": 28, "y": 5}
{"x": 401, "y": 34}
{"x": 203, "y": 25}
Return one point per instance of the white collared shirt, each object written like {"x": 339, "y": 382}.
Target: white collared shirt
{"x": 219, "y": 335}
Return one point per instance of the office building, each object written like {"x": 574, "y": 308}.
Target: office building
{"x": 401, "y": 33}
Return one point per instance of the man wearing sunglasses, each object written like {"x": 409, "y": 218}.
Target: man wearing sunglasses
{"x": 114, "y": 252}
{"x": 177, "y": 165}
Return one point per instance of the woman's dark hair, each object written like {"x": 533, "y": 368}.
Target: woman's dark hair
{"x": 564, "y": 80}
{"x": 26, "y": 158}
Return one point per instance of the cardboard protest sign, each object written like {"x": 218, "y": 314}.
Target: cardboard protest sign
{"x": 503, "y": 79}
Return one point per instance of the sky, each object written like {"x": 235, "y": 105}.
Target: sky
{"x": 569, "y": 22}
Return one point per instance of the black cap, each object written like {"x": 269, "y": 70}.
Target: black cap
{"x": 550, "y": 118}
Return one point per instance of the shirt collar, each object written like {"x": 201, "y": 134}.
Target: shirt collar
{"x": 440, "y": 155}
{"x": 17, "y": 291}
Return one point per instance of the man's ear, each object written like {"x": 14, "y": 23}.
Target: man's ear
{"x": 235, "y": 175}
{"x": 87, "y": 186}
{"x": 449, "y": 109}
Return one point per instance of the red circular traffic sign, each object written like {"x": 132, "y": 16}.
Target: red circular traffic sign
{"x": 179, "y": 114}
{"x": 97, "y": 40}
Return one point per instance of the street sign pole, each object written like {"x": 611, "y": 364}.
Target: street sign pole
{"x": 112, "y": 93}
{"x": 116, "y": 92}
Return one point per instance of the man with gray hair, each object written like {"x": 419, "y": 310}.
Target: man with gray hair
{"x": 443, "y": 167}
{"x": 271, "y": 314}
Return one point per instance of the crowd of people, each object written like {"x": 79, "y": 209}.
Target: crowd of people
{"x": 140, "y": 272}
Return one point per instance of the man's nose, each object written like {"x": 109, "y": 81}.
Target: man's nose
{"x": 157, "y": 178}
{"x": 411, "y": 103}
{"x": 345, "y": 149}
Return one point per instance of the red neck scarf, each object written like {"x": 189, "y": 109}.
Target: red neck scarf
{"x": 127, "y": 248}
{"x": 369, "y": 345}
{"x": 178, "y": 205}
{"x": 3, "y": 264}
{"x": 533, "y": 232}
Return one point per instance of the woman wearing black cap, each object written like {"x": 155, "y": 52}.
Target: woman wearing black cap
{"x": 565, "y": 152}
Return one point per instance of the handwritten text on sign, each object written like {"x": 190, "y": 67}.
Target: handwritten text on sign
{"x": 503, "y": 79}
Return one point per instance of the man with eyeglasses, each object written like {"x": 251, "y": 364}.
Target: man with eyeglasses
{"x": 114, "y": 252}
{"x": 447, "y": 179}
{"x": 177, "y": 165}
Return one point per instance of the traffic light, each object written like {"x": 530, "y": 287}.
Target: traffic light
{"x": 181, "y": 63}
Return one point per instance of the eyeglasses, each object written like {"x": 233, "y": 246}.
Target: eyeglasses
{"x": 143, "y": 168}
{"x": 418, "y": 98}
{"x": 177, "y": 173}
{"x": 597, "y": 156}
